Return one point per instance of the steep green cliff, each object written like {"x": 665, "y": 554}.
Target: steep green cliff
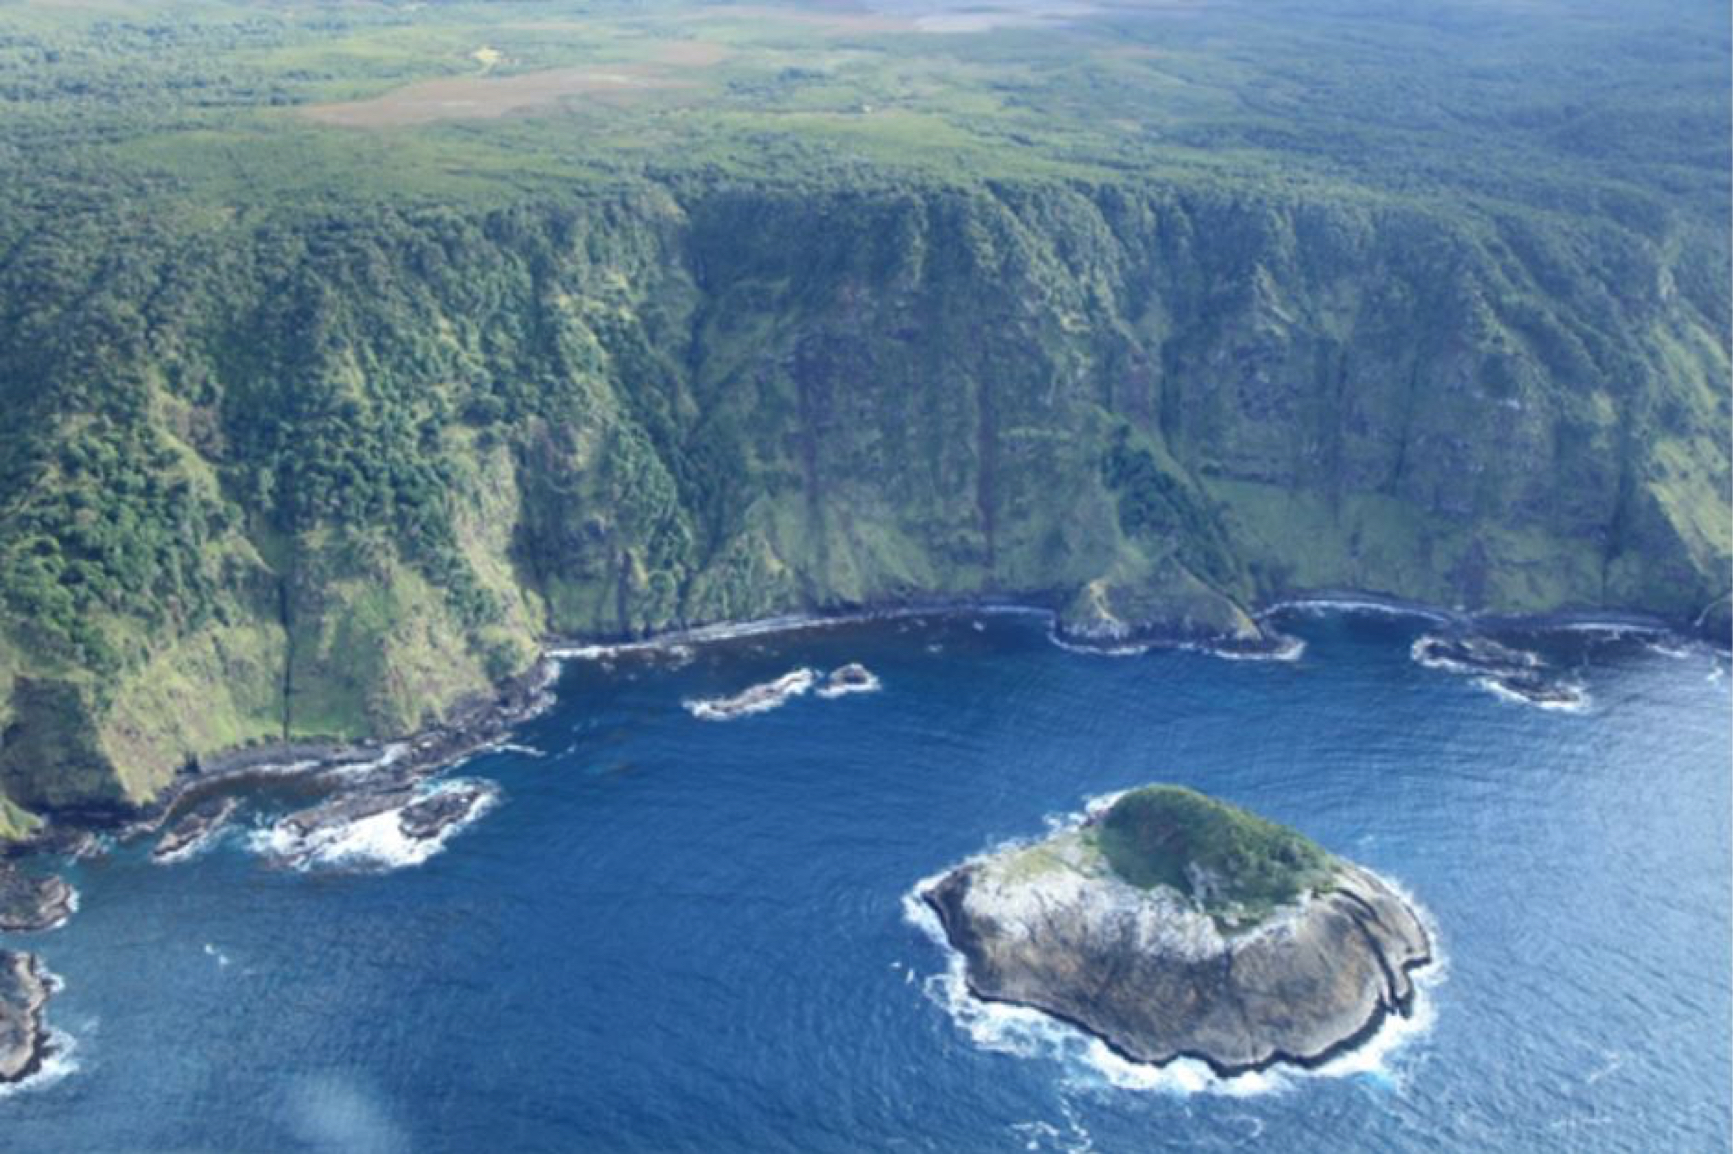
{"x": 343, "y": 473}
{"x": 347, "y": 352}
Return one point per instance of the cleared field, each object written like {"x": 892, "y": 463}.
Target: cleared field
{"x": 490, "y": 97}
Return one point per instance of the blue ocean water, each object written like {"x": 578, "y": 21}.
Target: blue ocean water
{"x": 683, "y": 935}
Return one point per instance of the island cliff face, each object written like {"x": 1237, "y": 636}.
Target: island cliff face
{"x": 1160, "y": 972}
{"x": 300, "y": 476}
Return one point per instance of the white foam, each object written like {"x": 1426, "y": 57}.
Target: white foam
{"x": 221, "y": 958}
{"x": 393, "y": 753}
{"x": 1127, "y": 649}
{"x": 374, "y": 842}
{"x": 1289, "y": 649}
{"x": 759, "y": 698}
{"x": 1579, "y": 703}
{"x": 59, "y": 1063}
{"x": 522, "y": 750}
{"x": 787, "y": 623}
{"x": 832, "y": 688}
{"x": 1320, "y": 606}
{"x": 1090, "y": 1063}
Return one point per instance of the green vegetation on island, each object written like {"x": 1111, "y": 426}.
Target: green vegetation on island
{"x": 1235, "y": 865}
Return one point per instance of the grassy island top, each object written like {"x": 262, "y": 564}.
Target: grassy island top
{"x": 1237, "y": 865}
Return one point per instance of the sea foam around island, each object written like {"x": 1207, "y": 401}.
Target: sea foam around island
{"x": 376, "y": 842}
{"x": 1089, "y": 1063}
{"x": 59, "y": 1059}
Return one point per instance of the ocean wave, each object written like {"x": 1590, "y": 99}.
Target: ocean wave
{"x": 376, "y": 841}
{"x": 1517, "y": 676}
{"x": 1577, "y": 699}
{"x": 1093, "y": 649}
{"x": 1089, "y": 1063}
{"x": 847, "y": 679}
{"x": 59, "y": 1061}
{"x": 759, "y": 698}
{"x": 1286, "y": 649}
{"x": 1323, "y": 606}
{"x": 389, "y": 755}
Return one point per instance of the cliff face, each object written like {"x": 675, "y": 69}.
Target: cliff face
{"x": 307, "y": 476}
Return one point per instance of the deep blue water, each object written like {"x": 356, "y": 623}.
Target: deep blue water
{"x": 676, "y": 935}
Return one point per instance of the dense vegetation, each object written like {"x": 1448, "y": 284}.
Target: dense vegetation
{"x": 1236, "y": 865}
{"x": 323, "y": 400}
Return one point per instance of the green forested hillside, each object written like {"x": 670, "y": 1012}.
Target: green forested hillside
{"x": 316, "y": 424}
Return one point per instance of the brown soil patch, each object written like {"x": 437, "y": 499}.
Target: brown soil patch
{"x": 491, "y": 97}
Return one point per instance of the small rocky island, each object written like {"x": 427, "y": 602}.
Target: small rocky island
{"x": 1173, "y": 925}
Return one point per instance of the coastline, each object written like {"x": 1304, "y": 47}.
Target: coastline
{"x": 478, "y": 725}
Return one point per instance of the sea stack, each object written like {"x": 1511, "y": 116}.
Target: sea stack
{"x": 1172, "y": 925}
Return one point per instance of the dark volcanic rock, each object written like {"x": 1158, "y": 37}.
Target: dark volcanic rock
{"x": 197, "y": 826}
{"x": 434, "y": 813}
{"x": 24, "y": 992}
{"x": 1516, "y": 672}
{"x": 1145, "y": 969}
{"x": 32, "y": 903}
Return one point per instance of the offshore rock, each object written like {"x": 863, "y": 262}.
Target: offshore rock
{"x": 24, "y": 992}
{"x": 1166, "y": 971}
{"x": 29, "y": 903}
{"x": 195, "y": 829}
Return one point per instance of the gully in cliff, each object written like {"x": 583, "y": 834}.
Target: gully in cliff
{"x": 1171, "y": 925}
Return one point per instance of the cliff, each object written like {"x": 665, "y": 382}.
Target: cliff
{"x": 302, "y": 473}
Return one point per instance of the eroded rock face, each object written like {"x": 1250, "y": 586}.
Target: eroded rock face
{"x": 434, "y": 813}
{"x": 24, "y": 994}
{"x": 1147, "y": 971}
{"x": 29, "y": 903}
{"x": 195, "y": 828}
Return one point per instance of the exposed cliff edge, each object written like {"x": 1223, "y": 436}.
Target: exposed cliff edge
{"x": 1174, "y": 926}
{"x": 306, "y": 478}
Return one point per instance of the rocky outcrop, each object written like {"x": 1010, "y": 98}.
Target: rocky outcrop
{"x": 1157, "y": 977}
{"x": 1518, "y": 673}
{"x": 29, "y": 903}
{"x": 24, "y": 992}
{"x": 194, "y": 829}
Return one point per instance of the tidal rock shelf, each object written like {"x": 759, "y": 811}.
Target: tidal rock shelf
{"x": 1173, "y": 926}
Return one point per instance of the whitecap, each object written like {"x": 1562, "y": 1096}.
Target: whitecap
{"x": 212, "y": 952}
{"x": 59, "y": 1062}
{"x": 1287, "y": 649}
{"x": 849, "y": 679}
{"x": 1579, "y": 701}
{"x": 1323, "y": 606}
{"x": 375, "y": 842}
{"x": 390, "y": 755}
{"x": 1089, "y": 649}
{"x": 759, "y": 698}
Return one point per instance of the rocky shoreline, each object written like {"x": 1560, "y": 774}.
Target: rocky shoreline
{"x": 24, "y": 1038}
{"x": 485, "y": 722}
{"x": 1157, "y": 978}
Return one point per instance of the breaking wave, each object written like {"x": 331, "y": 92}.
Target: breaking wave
{"x": 375, "y": 842}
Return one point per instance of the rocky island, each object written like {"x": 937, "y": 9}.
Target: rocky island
{"x": 1172, "y": 925}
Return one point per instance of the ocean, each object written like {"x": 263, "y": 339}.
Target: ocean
{"x": 671, "y": 932}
